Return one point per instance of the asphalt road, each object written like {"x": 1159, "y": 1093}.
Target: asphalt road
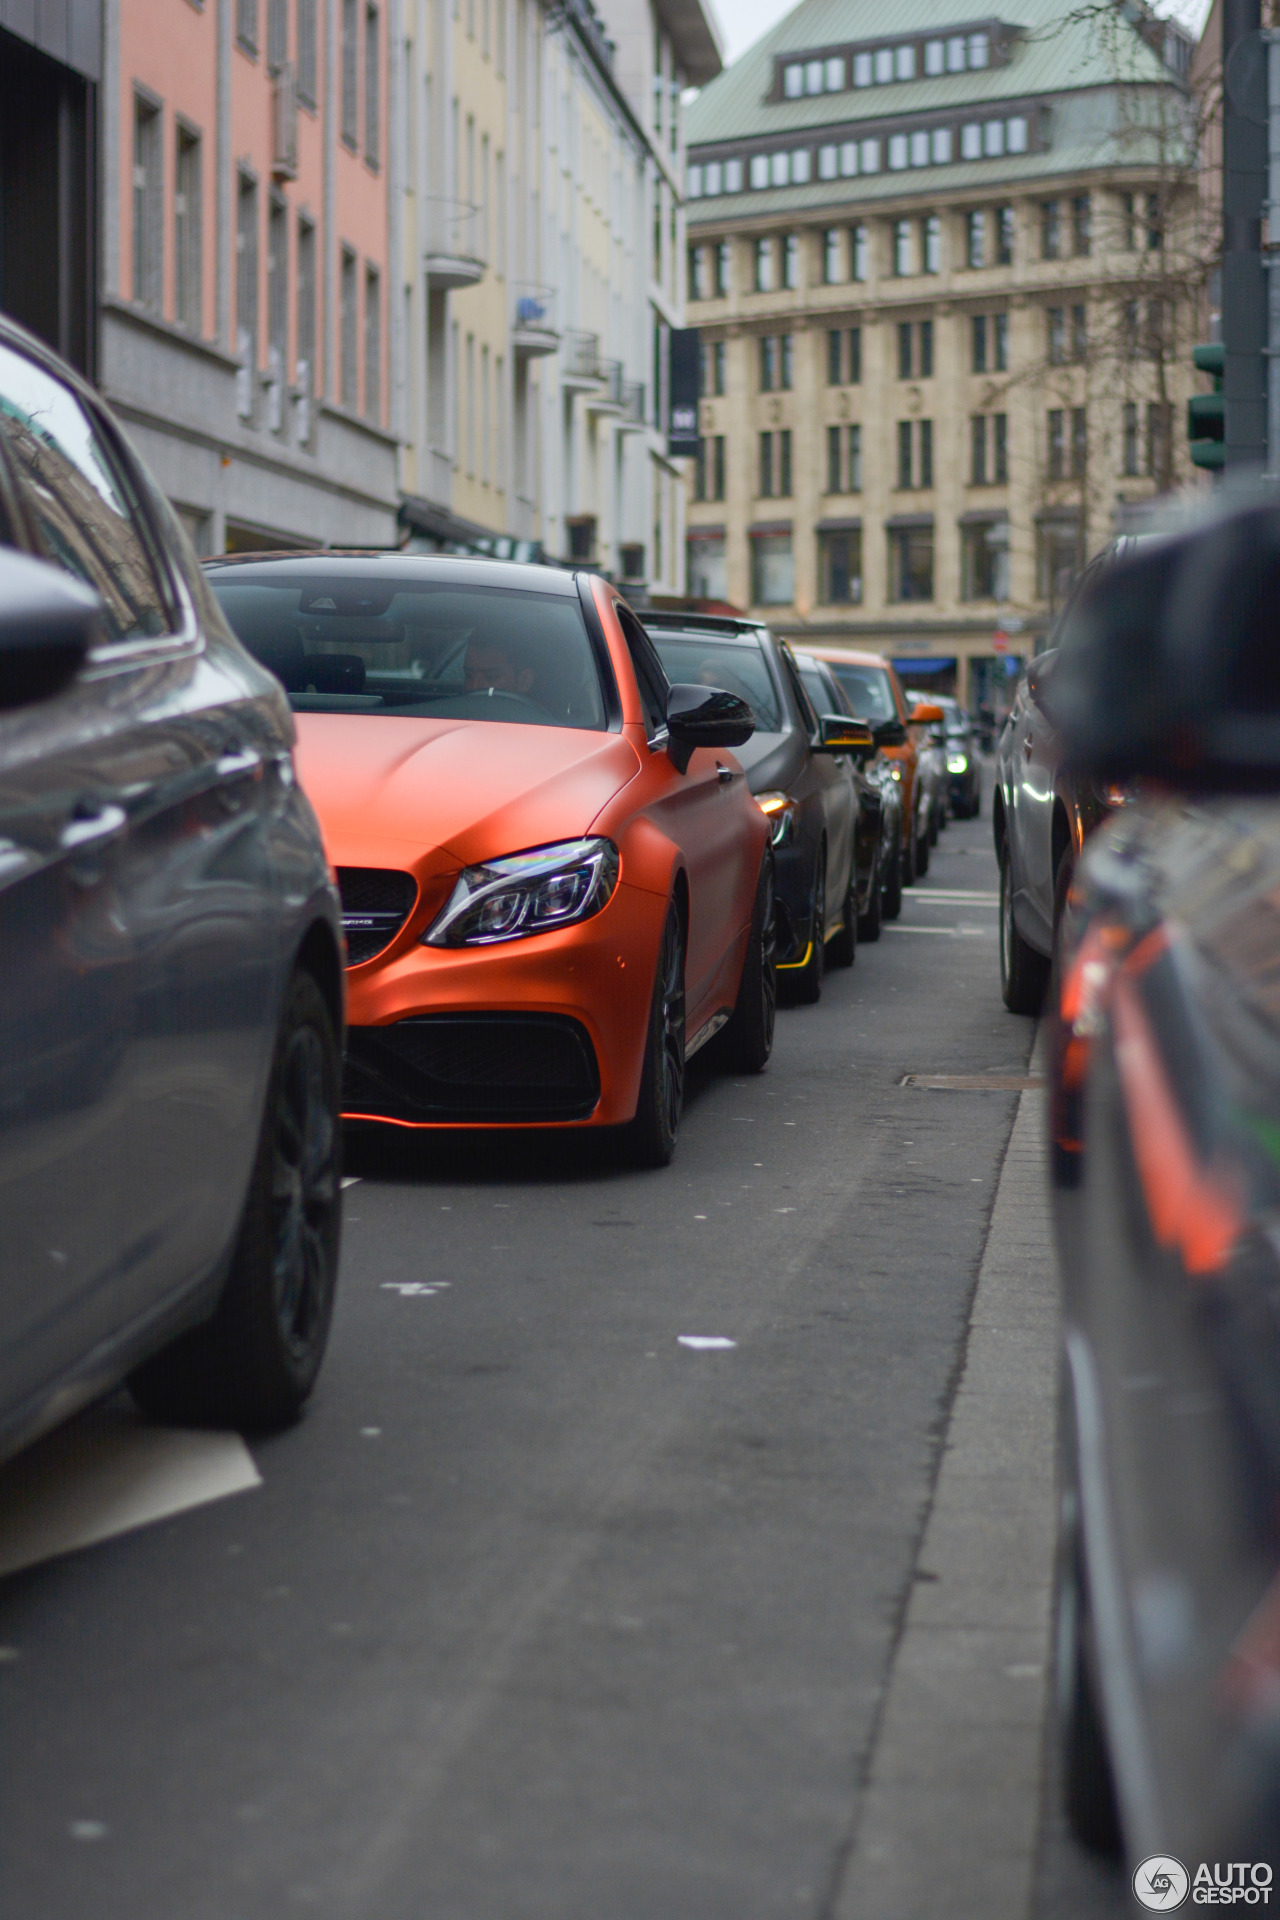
{"x": 540, "y": 1612}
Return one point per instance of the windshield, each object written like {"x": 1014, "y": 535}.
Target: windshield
{"x": 739, "y": 666}
{"x": 362, "y": 644}
{"x": 869, "y": 690}
{"x": 815, "y": 685}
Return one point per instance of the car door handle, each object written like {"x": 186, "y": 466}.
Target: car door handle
{"x": 237, "y": 760}
{"x": 90, "y": 824}
{"x": 724, "y": 775}
{"x": 1026, "y": 748}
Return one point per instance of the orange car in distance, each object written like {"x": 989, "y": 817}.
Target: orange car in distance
{"x": 875, "y": 693}
{"x": 556, "y": 886}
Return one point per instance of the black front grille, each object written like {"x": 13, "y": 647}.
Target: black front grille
{"x": 458, "y": 1067}
{"x": 376, "y": 902}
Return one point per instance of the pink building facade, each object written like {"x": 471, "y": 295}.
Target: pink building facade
{"x": 248, "y": 330}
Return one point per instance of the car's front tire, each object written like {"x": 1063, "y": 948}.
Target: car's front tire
{"x": 842, "y": 948}
{"x": 893, "y": 881}
{"x": 869, "y": 923}
{"x": 651, "y": 1136}
{"x": 747, "y": 1041}
{"x": 255, "y": 1362}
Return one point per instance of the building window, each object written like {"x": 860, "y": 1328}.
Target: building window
{"x": 696, "y": 290}
{"x": 978, "y": 450}
{"x": 708, "y": 567}
{"x": 840, "y": 567}
{"x": 1155, "y": 223}
{"x": 1079, "y": 333}
{"x": 975, "y": 239}
{"x": 348, "y": 331}
{"x": 373, "y": 355}
{"x": 860, "y": 252}
{"x": 700, "y": 471}
{"x": 717, "y": 467}
{"x": 1057, "y": 321}
{"x": 1059, "y": 556}
{"x": 784, "y": 463}
{"x": 1079, "y": 443}
{"x": 784, "y": 362}
{"x": 926, "y": 349}
{"x": 246, "y": 292}
{"x": 979, "y": 336}
{"x": 985, "y": 560}
{"x": 277, "y": 309}
{"x": 1157, "y": 439}
{"x": 791, "y": 260}
{"x": 768, "y": 363}
{"x": 835, "y": 460}
{"x": 855, "y": 458}
{"x": 277, "y": 34}
{"x": 148, "y": 186}
{"x": 911, "y": 563}
{"x": 307, "y": 52}
{"x": 1128, "y": 222}
{"x": 902, "y": 261}
{"x": 350, "y": 72}
{"x": 932, "y": 235}
{"x": 773, "y": 572}
{"x": 1057, "y": 444}
{"x": 1082, "y": 224}
{"x": 1050, "y": 230}
{"x": 765, "y": 486}
{"x": 835, "y": 344}
{"x": 1129, "y": 456}
{"x": 855, "y": 356}
{"x": 1000, "y": 448}
{"x": 764, "y": 266}
{"x": 187, "y": 211}
{"x": 905, "y": 362}
{"x": 832, "y": 264}
{"x": 1004, "y": 236}
{"x": 247, "y": 25}
{"x": 306, "y": 326}
{"x": 1000, "y": 342}
{"x": 718, "y": 354}
{"x": 724, "y": 268}
{"x": 926, "y": 453}
{"x": 905, "y": 441}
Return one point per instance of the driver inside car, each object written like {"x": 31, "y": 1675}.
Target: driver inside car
{"x": 489, "y": 668}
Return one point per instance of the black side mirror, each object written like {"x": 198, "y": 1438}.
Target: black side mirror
{"x": 48, "y": 622}
{"x": 839, "y": 734}
{"x": 1169, "y": 667}
{"x": 890, "y": 733}
{"x": 705, "y": 717}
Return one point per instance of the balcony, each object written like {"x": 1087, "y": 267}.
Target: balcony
{"x": 608, "y": 397}
{"x": 534, "y": 333}
{"x": 452, "y": 256}
{"x": 580, "y": 361}
{"x": 631, "y": 419}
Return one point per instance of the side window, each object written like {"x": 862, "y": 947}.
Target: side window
{"x": 83, "y": 516}
{"x": 650, "y": 678}
{"x": 808, "y": 718}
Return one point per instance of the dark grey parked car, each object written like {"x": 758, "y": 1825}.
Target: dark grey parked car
{"x": 171, "y": 996}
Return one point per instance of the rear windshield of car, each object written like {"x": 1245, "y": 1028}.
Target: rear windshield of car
{"x": 738, "y": 666}
{"x": 422, "y": 648}
{"x": 869, "y": 690}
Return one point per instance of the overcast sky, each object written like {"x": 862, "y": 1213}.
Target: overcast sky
{"x": 745, "y": 20}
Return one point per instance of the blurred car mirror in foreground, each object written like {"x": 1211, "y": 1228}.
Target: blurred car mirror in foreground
{"x": 1169, "y": 668}
{"x": 47, "y": 625}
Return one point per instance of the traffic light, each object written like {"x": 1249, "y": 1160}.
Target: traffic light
{"x": 1206, "y": 418}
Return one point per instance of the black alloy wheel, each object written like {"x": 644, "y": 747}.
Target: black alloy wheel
{"x": 842, "y": 947}
{"x": 651, "y": 1136}
{"x": 747, "y": 1041}
{"x": 1024, "y": 973}
{"x": 806, "y": 981}
{"x": 893, "y": 879}
{"x": 869, "y": 923}
{"x": 255, "y": 1362}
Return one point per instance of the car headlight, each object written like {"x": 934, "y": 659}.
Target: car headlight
{"x": 527, "y": 893}
{"x": 781, "y": 811}
{"x": 957, "y": 763}
{"x": 895, "y": 769}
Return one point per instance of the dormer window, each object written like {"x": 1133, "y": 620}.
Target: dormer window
{"x": 885, "y": 62}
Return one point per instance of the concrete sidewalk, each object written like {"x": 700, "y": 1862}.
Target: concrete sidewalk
{"x": 950, "y": 1813}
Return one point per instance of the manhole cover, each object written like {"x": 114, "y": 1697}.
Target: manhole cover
{"x": 975, "y": 1082}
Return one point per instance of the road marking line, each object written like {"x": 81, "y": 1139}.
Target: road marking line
{"x": 109, "y": 1472}
{"x": 704, "y": 1342}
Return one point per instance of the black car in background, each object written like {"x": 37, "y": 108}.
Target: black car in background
{"x": 1165, "y": 1133}
{"x": 931, "y": 740}
{"x": 879, "y": 840}
{"x": 964, "y": 770}
{"x": 802, "y": 781}
{"x": 171, "y": 993}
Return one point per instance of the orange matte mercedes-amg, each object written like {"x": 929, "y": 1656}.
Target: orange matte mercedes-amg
{"x": 555, "y": 883}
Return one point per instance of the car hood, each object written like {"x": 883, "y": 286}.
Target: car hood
{"x": 392, "y": 790}
{"x": 770, "y": 760}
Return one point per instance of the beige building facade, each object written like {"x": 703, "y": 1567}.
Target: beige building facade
{"x": 943, "y": 280}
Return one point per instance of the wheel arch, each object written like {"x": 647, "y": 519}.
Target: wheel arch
{"x": 318, "y": 955}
